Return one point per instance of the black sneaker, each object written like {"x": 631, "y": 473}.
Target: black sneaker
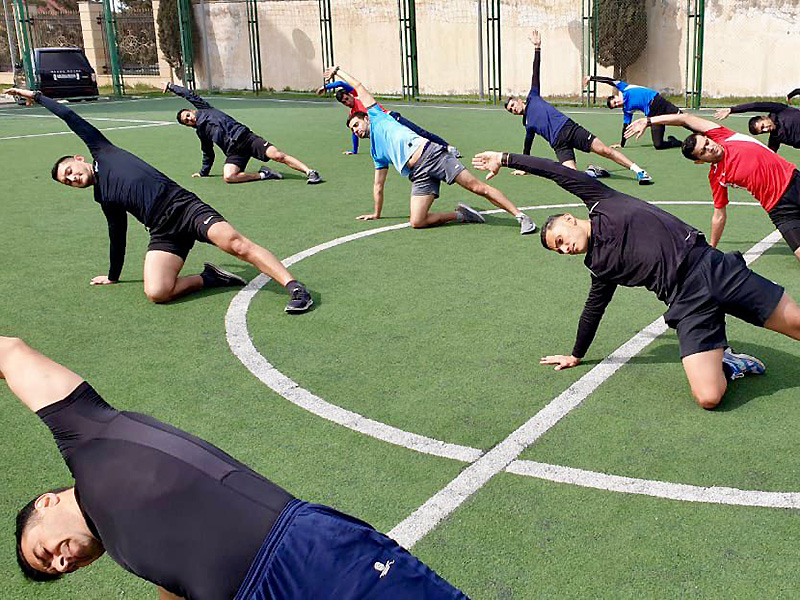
{"x": 269, "y": 173}
{"x": 301, "y": 301}
{"x": 213, "y": 277}
{"x": 313, "y": 177}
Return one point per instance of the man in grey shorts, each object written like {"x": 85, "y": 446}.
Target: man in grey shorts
{"x": 425, "y": 163}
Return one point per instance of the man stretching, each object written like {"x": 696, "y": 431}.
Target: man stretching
{"x": 637, "y": 97}
{"x": 175, "y": 217}
{"x": 740, "y": 161}
{"x": 236, "y": 140}
{"x": 182, "y": 514}
{"x": 347, "y": 95}
{"x": 425, "y": 163}
{"x": 792, "y": 94}
{"x": 632, "y": 243}
{"x": 782, "y": 122}
{"x": 562, "y": 133}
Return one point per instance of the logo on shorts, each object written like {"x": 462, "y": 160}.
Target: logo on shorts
{"x": 383, "y": 569}
{"x": 207, "y": 220}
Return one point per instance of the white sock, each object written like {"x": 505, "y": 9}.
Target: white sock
{"x": 262, "y": 174}
{"x": 636, "y": 168}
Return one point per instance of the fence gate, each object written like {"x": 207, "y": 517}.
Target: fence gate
{"x": 136, "y": 42}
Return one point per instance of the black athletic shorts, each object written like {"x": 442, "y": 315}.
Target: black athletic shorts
{"x": 185, "y": 221}
{"x": 661, "y": 106}
{"x": 786, "y": 213}
{"x": 570, "y": 137}
{"x": 252, "y": 146}
{"x": 716, "y": 285}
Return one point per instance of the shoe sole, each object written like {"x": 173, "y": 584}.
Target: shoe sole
{"x": 290, "y": 309}
{"x": 309, "y": 182}
{"x": 642, "y": 182}
{"x": 236, "y": 280}
{"x": 473, "y": 213}
{"x": 272, "y": 175}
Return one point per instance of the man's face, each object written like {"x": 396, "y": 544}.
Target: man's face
{"x": 565, "y": 236}
{"x": 764, "y": 125}
{"x": 360, "y": 126}
{"x": 616, "y": 102}
{"x": 707, "y": 150}
{"x": 516, "y": 106}
{"x": 75, "y": 172}
{"x": 348, "y": 100}
{"x": 57, "y": 543}
{"x": 189, "y": 118}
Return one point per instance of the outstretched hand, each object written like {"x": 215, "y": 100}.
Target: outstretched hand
{"x": 165, "y": 87}
{"x": 586, "y": 81}
{"x": 369, "y": 217}
{"x": 488, "y": 161}
{"x": 328, "y": 74}
{"x": 636, "y": 129}
{"x": 102, "y": 280}
{"x": 20, "y": 92}
{"x": 722, "y": 113}
{"x": 560, "y": 361}
{"x": 536, "y": 38}
{"x": 320, "y": 90}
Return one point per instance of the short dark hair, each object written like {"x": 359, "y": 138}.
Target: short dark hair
{"x": 548, "y": 225}
{"x": 340, "y": 94}
{"x": 359, "y": 114}
{"x": 609, "y": 100}
{"x": 510, "y": 98}
{"x": 54, "y": 170}
{"x": 751, "y": 124}
{"x": 178, "y": 116}
{"x": 689, "y": 145}
{"x": 27, "y": 518}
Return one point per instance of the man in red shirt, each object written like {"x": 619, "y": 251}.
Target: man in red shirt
{"x": 738, "y": 160}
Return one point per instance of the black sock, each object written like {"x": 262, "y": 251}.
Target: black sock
{"x": 728, "y": 371}
{"x": 208, "y": 279}
{"x": 293, "y": 285}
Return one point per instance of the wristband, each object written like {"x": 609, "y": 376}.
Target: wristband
{"x": 649, "y": 122}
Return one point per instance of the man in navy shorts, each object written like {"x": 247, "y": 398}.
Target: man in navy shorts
{"x": 176, "y": 218}
{"x": 182, "y": 514}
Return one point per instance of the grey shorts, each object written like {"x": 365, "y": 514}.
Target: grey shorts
{"x": 434, "y": 166}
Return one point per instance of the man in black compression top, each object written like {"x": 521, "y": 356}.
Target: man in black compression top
{"x": 782, "y": 122}
{"x": 236, "y": 140}
{"x": 792, "y": 94}
{"x": 176, "y": 218}
{"x": 184, "y": 515}
{"x": 632, "y": 243}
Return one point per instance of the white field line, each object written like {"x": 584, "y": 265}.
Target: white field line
{"x": 35, "y": 135}
{"x": 150, "y": 121}
{"x": 473, "y": 477}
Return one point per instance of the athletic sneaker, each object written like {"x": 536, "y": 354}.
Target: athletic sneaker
{"x": 269, "y": 173}
{"x": 213, "y": 277}
{"x": 313, "y": 177}
{"x": 454, "y": 151}
{"x": 644, "y": 178}
{"x": 526, "y": 225}
{"x": 301, "y": 300}
{"x": 597, "y": 172}
{"x": 469, "y": 214}
{"x": 739, "y": 364}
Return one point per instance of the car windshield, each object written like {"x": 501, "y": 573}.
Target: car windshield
{"x": 63, "y": 61}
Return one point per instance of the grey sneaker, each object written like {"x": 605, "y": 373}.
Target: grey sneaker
{"x": 213, "y": 277}
{"x": 300, "y": 302}
{"x": 313, "y": 177}
{"x": 469, "y": 214}
{"x": 269, "y": 173}
{"x": 739, "y": 364}
{"x": 526, "y": 225}
{"x": 597, "y": 172}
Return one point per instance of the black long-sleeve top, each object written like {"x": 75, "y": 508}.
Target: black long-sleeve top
{"x": 212, "y": 127}
{"x": 785, "y": 117}
{"x": 123, "y": 184}
{"x": 632, "y": 243}
{"x": 540, "y": 117}
{"x": 793, "y": 93}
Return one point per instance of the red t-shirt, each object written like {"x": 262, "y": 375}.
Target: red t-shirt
{"x": 358, "y": 105}
{"x": 749, "y": 164}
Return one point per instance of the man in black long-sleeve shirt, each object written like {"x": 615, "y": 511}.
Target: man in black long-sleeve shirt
{"x": 236, "y": 140}
{"x": 632, "y": 243}
{"x": 176, "y": 218}
{"x": 792, "y": 94}
{"x": 182, "y": 514}
{"x": 782, "y": 122}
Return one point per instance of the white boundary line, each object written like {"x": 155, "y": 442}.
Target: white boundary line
{"x": 35, "y": 135}
{"x": 412, "y": 529}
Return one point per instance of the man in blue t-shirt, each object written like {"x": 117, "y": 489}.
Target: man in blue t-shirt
{"x": 424, "y": 162}
{"x": 637, "y": 97}
{"x": 561, "y": 132}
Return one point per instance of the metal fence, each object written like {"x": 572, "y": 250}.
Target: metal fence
{"x": 136, "y": 42}
{"x": 5, "y": 55}
{"x": 49, "y": 30}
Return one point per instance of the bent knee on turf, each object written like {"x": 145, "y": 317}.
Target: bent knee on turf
{"x": 158, "y": 294}
{"x": 708, "y": 399}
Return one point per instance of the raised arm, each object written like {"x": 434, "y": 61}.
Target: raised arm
{"x": 766, "y": 107}
{"x": 690, "y": 122}
{"x": 575, "y": 182}
{"x": 35, "y": 379}
{"x": 363, "y": 94}
{"x": 536, "y": 39}
{"x": 186, "y": 94}
{"x": 792, "y": 94}
{"x": 90, "y": 135}
{"x": 333, "y": 85}
{"x": 602, "y": 79}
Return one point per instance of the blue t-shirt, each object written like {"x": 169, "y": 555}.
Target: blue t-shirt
{"x": 542, "y": 118}
{"x": 392, "y": 143}
{"x": 635, "y": 97}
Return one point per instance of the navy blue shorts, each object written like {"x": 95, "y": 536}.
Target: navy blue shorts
{"x": 314, "y": 552}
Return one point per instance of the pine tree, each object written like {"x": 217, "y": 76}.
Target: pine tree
{"x": 621, "y": 33}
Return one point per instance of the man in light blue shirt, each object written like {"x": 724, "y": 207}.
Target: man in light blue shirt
{"x": 425, "y": 163}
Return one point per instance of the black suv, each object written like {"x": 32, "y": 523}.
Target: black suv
{"x": 64, "y": 73}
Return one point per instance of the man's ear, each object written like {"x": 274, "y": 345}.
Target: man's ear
{"x": 79, "y": 158}
{"x": 569, "y": 218}
{"x": 47, "y": 500}
{"x": 699, "y": 162}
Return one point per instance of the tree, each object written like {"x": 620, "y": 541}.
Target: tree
{"x": 621, "y": 33}
{"x": 169, "y": 34}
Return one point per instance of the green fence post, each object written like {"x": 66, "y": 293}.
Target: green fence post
{"x": 326, "y": 33}
{"x": 255, "y": 45}
{"x": 113, "y": 55}
{"x": 408, "y": 48}
{"x": 187, "y": 49}
{"x": 25, "y": 41}
{"x": 701, "y": 17}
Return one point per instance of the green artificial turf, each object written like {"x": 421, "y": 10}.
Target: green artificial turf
{"x": 436, "y": 332}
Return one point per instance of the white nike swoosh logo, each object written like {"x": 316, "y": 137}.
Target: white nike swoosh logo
{"x": 207, "y": 220}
